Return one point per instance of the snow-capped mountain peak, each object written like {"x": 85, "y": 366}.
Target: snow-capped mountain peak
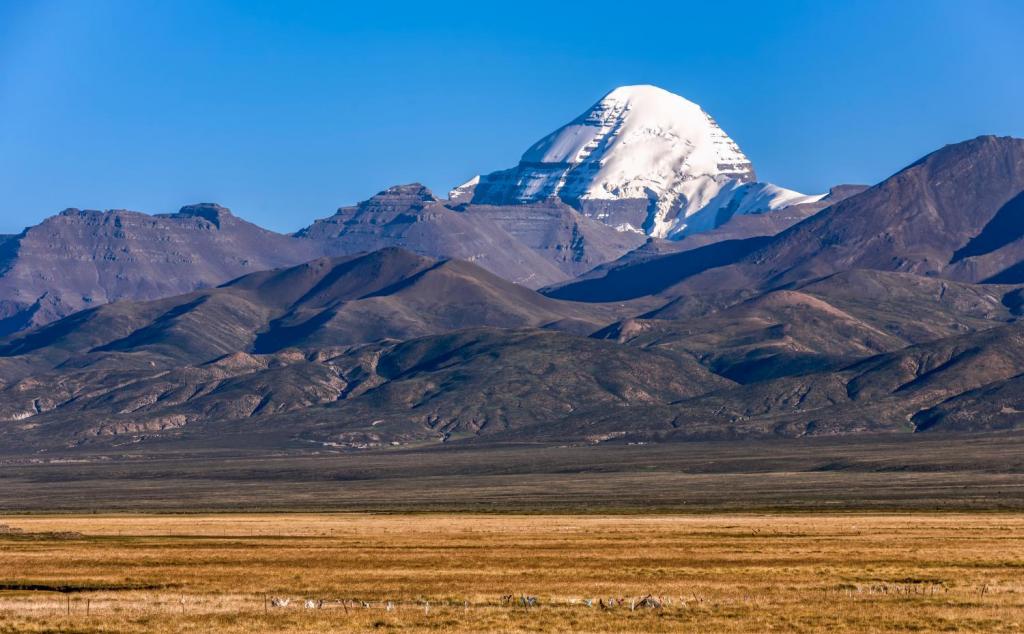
{"x": 641, "y": 157}
{"x": 635, "y": 133}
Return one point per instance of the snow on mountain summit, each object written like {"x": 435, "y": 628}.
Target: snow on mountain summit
{"x": 642, "y": 133}
{"x": 640, "y": 157}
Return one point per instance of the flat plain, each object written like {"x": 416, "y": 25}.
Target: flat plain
{"x": 982, "y": 472}
{"x": 450, "y": 572}
{"x": 917, "y": 533}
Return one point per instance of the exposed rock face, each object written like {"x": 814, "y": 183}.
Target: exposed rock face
{"x": 532, "y": 245}
{"x": 80, "y": 259}
{"x": 560, "y": 234}
{"x": 410, "y": 217}
{"x": 640, "y": 159}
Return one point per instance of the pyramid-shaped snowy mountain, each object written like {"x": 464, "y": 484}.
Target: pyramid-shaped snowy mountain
{"x": 640, "y": 159}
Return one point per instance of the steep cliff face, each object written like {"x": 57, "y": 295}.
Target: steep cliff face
{"x": 640, "y": 159}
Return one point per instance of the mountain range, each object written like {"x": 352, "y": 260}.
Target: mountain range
{"x": 630, "y": 280}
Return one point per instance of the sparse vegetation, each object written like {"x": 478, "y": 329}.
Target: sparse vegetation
{"x": 443, "y": 572}
{"x": 920, "y": 472}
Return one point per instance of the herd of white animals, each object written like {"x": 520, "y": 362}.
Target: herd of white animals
{"x": 526, "y": 601}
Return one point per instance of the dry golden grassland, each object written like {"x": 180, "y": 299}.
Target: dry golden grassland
{"x": 713, "y": 573}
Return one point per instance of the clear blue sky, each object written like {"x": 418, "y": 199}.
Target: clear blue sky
{"x": 284, "y": 111}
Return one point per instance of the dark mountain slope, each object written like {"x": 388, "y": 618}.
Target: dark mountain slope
{"x": 820, "y": 325}
{"x": 916, "y": 221}
{"x": 738, "y": 228}
{"x": 390, "y": 293}
{"x": 479, "y": 383}
{"x": 81, "y": 259}
{"x": 457, "y": 385}
{"x": 901, "y": 391}
{"x": 992, "y": 407}
{"x": 430, "y": 297}
{"x": 524, "y": 385}
{"x": 778, "y": 334}
{"x": 656, "y": 275}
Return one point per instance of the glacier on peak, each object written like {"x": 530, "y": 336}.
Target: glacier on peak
{"x": 640, "y": 157}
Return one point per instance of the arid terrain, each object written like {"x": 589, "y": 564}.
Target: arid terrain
{"x": 808, "y": 535}
{"x": 508, "y": 332}
{"x": 921, "y": 472}
{"x": 446, "y": 572}
{"x": 625, "y": 385}
{"x": 893, "y": 309}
